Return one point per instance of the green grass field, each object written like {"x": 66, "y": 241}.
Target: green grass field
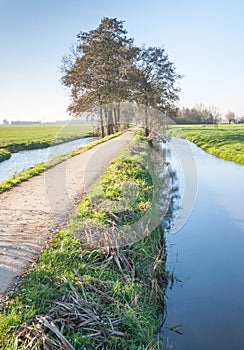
{"x": 17, "y": 138}
{"x": 223, "y": 141}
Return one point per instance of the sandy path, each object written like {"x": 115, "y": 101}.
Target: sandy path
{"x": 30, "y": 212}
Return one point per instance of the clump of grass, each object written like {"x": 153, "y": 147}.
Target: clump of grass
{"x": 41, "y": 167}
{"x": 223, "y": 141}
{"x": 81, "y": 297}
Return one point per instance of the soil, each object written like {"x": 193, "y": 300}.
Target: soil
{"x": 31, "y": 212}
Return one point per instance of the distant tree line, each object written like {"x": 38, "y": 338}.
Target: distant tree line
{"x": 199, "y": 114}
{"x": 105, "y": 69}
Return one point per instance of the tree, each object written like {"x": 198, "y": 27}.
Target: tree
{"x": 97, "y": 72}
{"x": 5, "y": 122}
{"x": 199, "y": 114}
{"x": 230, "y": 117}
{"x": 106, "y": 69}
{"x": 215, "y": 115}
{"x": 154, "y": 82}
{"x": 241, "y": 120}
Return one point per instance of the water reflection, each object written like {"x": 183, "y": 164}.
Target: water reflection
{"x": 228, "y": 187}
{"x": 26, "y": 159}
{"x": 206, "y": 259}
{"x": 168, "y": 190}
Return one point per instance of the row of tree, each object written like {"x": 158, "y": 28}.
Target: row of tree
{"x": 201, "y": 114}
{"x": 105, "y": 69}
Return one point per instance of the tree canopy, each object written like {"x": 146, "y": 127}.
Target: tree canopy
{"x": 231, "y": 117}
{"x": 106, "y": 68}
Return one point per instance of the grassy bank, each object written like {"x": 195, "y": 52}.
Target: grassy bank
{"x": 223, "y": 141}
{"x": 4, "y": 154}
{"x": 41, "y": 167}
{"x": 84, "y": 296}
{"x": 18, "y": 138}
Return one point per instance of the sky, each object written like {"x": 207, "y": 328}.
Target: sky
{"x": 204, "y": 39}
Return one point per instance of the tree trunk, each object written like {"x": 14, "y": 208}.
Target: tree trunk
{"x": 118, "y": 117}
{"x": 146, "y": 126}
{"x": 110, "y": 128}
{"x": 101, "y": 122}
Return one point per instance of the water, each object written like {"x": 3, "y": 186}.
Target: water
{"x": 26, "y": 159}
{"x": 205, "y": 304}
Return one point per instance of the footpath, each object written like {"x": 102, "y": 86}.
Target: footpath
{"x": 31, "y": 212}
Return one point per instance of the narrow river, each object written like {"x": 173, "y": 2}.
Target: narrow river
{"x": 26, "y": 159}
{"x": 205, "y": 302}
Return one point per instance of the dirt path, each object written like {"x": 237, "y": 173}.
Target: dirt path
{"x": 32, "y": 211}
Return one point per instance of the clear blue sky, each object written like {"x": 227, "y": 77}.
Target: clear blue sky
{"x": 205, "y": 40}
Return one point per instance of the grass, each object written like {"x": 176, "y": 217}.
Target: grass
{"x": 4, "y": 154}
{"x": 78, "y": 296}
{"x": 41, "y": 167}
{"x": 223, "y": 141}
{"x": 18, "y": 138}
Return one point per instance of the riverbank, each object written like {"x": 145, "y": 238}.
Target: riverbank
{"x": 18, "y": 138}
{"x": 84, "y": 295}
{"x": 4, "y": 154}
{"x": 39, "y": 168}
{"x": 223, "y": 140}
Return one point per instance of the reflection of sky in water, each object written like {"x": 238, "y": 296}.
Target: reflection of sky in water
{"x": 26, "y": 159}
{"x": 206, "y": 257}
{"x": 182, "y": 160}
{"x": 226, "y": 179}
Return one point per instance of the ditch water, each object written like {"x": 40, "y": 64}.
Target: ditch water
{"x": 26, "y": 159}
{"x": 205, "y": 301}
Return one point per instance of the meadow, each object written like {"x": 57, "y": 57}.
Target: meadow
{"x": 222, "y": 140}
{"x": 18, "y": 138}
